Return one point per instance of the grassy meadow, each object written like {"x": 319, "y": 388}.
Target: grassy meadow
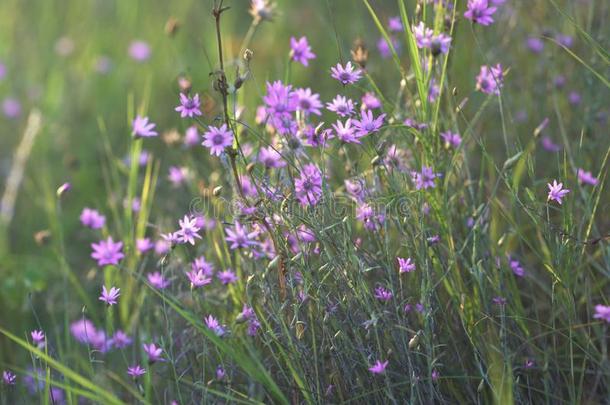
{"x": 303, "y": 202}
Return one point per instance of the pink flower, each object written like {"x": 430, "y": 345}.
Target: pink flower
{"x": 406, "y": 265}
{"x": 110, "y": 297}
{"x": 556, "y": 191}
{"x": 379, "y": 367}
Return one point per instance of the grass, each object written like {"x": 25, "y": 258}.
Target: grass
{"x": 463, "y": 327}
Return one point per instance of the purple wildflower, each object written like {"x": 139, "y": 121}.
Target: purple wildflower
{"x": 120, "y": 339}
{"x": 38, "y": 337}
{"x": 379, "y": 367}
{"x": 271, "y": 158}
{"x": 188, "y": 230}
{"x": 549, "y": 145}
{"x": 556, "y": 191}
{"x": 383, "y": 294}
{"x": 422, "y": 34}
{"x": 157, "y": 280}
{"x": 191, "y": 136}
{"x": 308, "y": 186}
{"x": 602, "y": 312}
{"x": 480, "y": 12}
{"x": 217, "y": 139}
{"x": 92, "y": 218}
{"x": 107, "y": 252}
{"x": 153, "y": 352}
{"x": 346, "y": 132}
{"x": 516, "y": 267}
{"x": 586, "y": 177}
{"x": 198, "y": 278}
{"x": 451, "y": 139}
{"x": 110, "y": 297}
{"x": 425, "y": 178}
{"x": 227, "y": 277}
{"x": 139, "y": 51}
{"x": 501, "y": 301}
{"x": 395, "y": 24}
{"x": 405, "y": 265}
{"x": 220, "y": 373}
{"x": 301, "y": 51}
{"x": 535, "y": 44}
{"x": 308, "y": 102}
{"x": 347, "y": 74}
{"x": 239, "y": 236}
{"x": 189, "y": 106}
{"x": 213, "y": 324}
{"x": 143, "y": 245}
{"x": 490, "y": 79}
{"x": 136, "y": 371}
{"x": 440, "y": 44}
{"x": 341, "y": 105}
{"x": 367, "y": 124}
{"x": 141, "y": 127}
{"x": 370, "y": 101}
{"x": 201, "y": 264}
{"x": 11, "y": 107}
{"x": 8, "y": 377}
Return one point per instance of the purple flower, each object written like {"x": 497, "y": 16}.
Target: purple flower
{"x": 142, "y": 128}
{"x": 301, "y": 51}
{"x": 366, "y": 215}
{"x": 227, "y": 277}
{"x": 549, "y": 145}
{"x": 120, "y": 339}
{"x": 213, "y": 324}
{"x": 346, "y": 132}
{"x": 157, "y": 280}
{"x": 435, "y": 375}
{"x": 2, "y": 70}
{"x": 110, "y": 297}
{"x": 405, "y": 265}
{"x": 271, "y": 158}
{"x": 602, "y": 312}
{"x": 220, "y": 373}
{"x": 535, "y": 44}
{"x": 189, "y": 106}
{"x": 586, "y": 177}
{"x": 367, "y": 124}
{"x": 107, "y": 252}
{"x": 136, "y": 371}
{"x": 92, "y": 219}
{"x": 422, "y": 34}
{"x": 38, "y": 337}
{"x": 85, "y": 332}
{"x": 556, "y": 191}
{"x": 395, "y": 24}
{"x": 308, "y": 186}
{"x": 425, "y": 178}
{"x": 370, "y": 101}
{"x": 501, "y": 301}
{"x": 201, "y": 264}
{"x": 516, "y": 267}
{"x": 308, "y": 102}
{"x": 239, "y": 237}
{"x": 153, "y": 352}
{"x": 384, "y": 48}
{"x": 139, "y": 51}
{"x": 451, "y": 139}
{"x": 253, "y": 327}
{"x": 198, "y": 278}
{"x": 144, "y": 245}
{"x": 11, "y": 107}
{"x": 379, "y": 367}
{"x": 383, "y": 294}
{"x": 574, "y": 98}
{"x": 480, "y": 12}
{"x": 188, "y": 230}
{"x": 490, "y": 79}
{"x": 217, "y": 139}
{"x": 191, "y": 136}
{"x": 440, "y": 44}
{"x": 9, "y": 378}
{"x": 347, "y": 74}
{"x": 341, "y": 105}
